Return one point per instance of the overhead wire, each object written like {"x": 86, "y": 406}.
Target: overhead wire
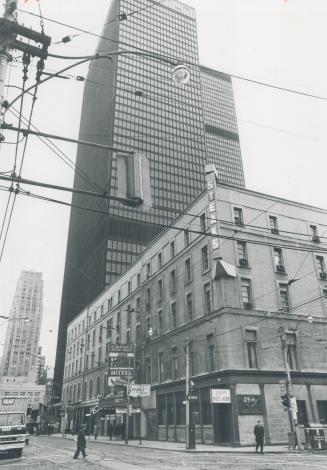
{"x": 186, "y": 62}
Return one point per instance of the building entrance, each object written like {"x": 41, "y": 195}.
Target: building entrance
{"x": 221, "y": 423}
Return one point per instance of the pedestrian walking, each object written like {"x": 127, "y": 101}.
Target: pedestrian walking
{"x": 96, "y": 431}
{"x": 81, "y": 442}
{"x": 259, "y": 432}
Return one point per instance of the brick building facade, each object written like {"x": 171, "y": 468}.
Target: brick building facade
{"x": 235, "y": 268}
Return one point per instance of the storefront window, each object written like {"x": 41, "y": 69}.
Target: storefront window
{"x": 170, "y": 408}
{"x": 161, "y": 406}
{"x": 206, "y": 407}
{"x": 180, "y": 408}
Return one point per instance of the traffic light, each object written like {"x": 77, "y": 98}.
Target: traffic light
{"x": 133, "y": 180}
{"x": 285, "y": 401}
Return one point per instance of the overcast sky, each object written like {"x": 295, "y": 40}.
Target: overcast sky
{"x": 283, "y": 135}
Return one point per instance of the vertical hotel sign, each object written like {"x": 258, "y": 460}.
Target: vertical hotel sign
{"x": 212, "y": 209}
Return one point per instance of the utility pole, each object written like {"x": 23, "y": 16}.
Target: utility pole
{"x": 9, "y": 29}
{"x": 187, "y": 391}
{"x": 289, "y": 391}
{"x": 5, "y": 57}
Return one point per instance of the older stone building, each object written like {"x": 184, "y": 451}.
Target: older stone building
{"x": 235, "y": 270}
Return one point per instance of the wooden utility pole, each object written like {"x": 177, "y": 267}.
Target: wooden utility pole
{"x": 5, "y": 57}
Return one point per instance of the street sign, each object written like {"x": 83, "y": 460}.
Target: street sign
{"x": 220, "y": 395}
{"x": 283, "y": 390}
{"x": 139, "y": 390}
{"x": 192, "y": 397}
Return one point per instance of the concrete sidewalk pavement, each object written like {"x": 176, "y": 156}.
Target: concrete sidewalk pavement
{"x": 180, "y": 446}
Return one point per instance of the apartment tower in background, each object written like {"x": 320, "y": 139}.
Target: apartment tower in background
{"x": 24, "y": 326}
{"x": 131, "y": 102}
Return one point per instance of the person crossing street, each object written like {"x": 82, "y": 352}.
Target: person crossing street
{"x": 81, "y": 442}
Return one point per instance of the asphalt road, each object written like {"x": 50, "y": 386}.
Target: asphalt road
{"x": 56, "y": 453}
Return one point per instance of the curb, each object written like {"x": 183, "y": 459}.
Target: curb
{"x": 191, "y": 451}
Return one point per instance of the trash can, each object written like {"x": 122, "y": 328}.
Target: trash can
{"x": 191, "y": 436}
{"x": 315, "y": 436}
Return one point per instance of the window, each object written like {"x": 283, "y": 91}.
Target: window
{"x": 173, "y": 281}
{"x": 148, "y": 377}
{"x": 138, "y": 309}
{"x": 278, "y": 258}
{"x": 203, "y": 222}
{"x": 324, "y": 293}
{"x": 93, "y": 338}
{"x": 119, "y": 296}
{"x": 109, "y": 328}
{"x": 128, "y": 337}
{"x": 205, "y": 258}
{"x": 148, "y": 270}
{"x": 207, "y": 298}
{"x": 173, "y": 316}
{"x": 242, "y": 254}
{"x": 251, "y": 346}
{"x": 172, "y": 249}
{"x": 322, "y": 411}
{"x": 99, "y": 355}
{"x": 292, "y": 358}
{"x": 118, "y": 321}
{"x": 87, "y": 362}
{"x": 238, "y": 216}
{"x": 91, "y": 389}
{"x": 284, "y": 297}
{"x": 246, "y": 293}
{"x": 160, "y": 322}
{"x": 159, "y": 260}
{"x": 160, "y": 290}
{"x": 211, "y": 353}
{"x": 186, "y": 237}
{"x": 314, "y": 233}
{"x": 193, "y": 369}
{"x": 129, "y": 315}
{"x": 188, "y": 270}
{"x": 321, "y": 267}
{"x": 302, "y": 415}
{"x": 273, "y": 224}
{"x": 138, "y": 279}
{"x": 148, "y": 297}
{"x": 189, "y": 307}
{"x": 129, "y": 287}
{"x": 160, "y": 367}
{"x": 174, "y": 362}
{"x": 92, "y": 360}
{"x": 137, "y": 334}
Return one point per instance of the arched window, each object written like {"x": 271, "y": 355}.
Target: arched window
{"x": 78, "y": 392}
{"x": 98, "y": 386}
{"x": 91, "y": 389}
{"x": 85, "y": 391}
{"x": 105, "y": 385}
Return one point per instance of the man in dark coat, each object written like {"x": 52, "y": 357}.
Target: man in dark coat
{"x": 81, "y": 442}
{"x": 259, "y": 432}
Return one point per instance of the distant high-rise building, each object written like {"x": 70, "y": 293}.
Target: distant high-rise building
{"x": 131, "y": 103}
{"x": 24, "y": 325}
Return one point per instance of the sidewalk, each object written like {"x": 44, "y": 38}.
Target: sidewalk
{"x": 180, "y": 446}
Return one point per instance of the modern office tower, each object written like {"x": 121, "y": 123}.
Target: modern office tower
{"x": 24, "y": 325}
{"x": 131, "y": 103}
{"x": 221, "y": 132}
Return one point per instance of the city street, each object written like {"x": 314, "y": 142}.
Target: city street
{"x": 57, "y": 453}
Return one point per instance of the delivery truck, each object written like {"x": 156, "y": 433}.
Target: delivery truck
{"x": 13, "y": 425}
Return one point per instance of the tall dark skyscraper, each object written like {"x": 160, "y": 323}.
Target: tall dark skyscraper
{"x": 130, "y": 102}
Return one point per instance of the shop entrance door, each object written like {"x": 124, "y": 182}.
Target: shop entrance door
{"x": 221, "y": 423}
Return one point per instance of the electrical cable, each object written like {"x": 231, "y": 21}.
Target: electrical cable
{"x": 255, "y": 242}
{"x": 57, "y": 151}
{"x": 186, "y": 62}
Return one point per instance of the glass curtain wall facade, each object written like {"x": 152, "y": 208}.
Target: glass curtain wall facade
{"x": 131, "y": 102}
{"x": 221, "y": 132}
